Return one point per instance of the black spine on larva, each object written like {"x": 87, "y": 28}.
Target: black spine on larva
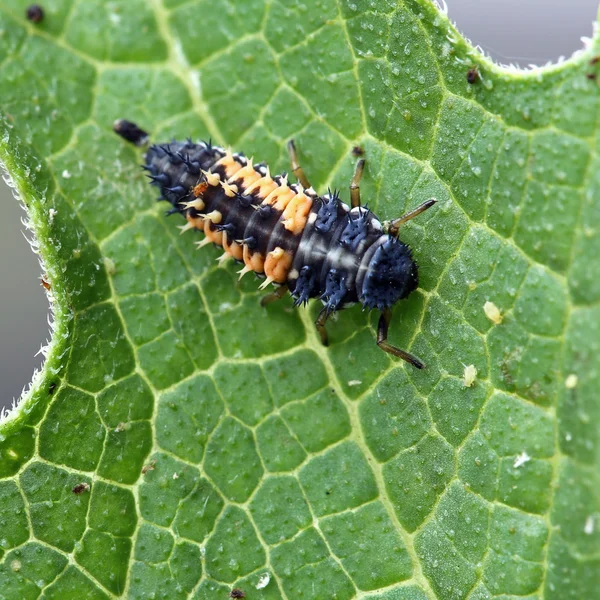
{"x": 177, "y": 167}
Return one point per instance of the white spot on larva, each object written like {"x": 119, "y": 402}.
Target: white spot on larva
{"x": 521, "y": 460}
{"x": 492, "y": 312}
{"x": 66, "y": 174}
{"x": 469, "y": 375}
{"x": 588, "y": 528}
{"x": 293, "y": 274}
{"x": 354, "y": 382}
{"x": 312, "y": 218}
{"x": 51, "y": 214}
{"x": 571, "y": 381}
{"x": 230, "y": 190}
{"x": 214, "y": 216}
{"x": 263, "y": 582}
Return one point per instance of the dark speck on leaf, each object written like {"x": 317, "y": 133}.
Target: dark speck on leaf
{"x": 237, "y": 593}
{"x": 473, "y": 75}
{"x": 80, "y": 488}
{"x": 149, "y": 467}
{"x": 358, "y": 151}
{"x": 34, "y": 13}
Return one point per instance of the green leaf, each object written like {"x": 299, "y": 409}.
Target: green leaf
{"x": 181, "y": 440}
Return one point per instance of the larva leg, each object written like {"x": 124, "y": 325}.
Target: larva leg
{"x": 382, "y": 335}
{"x": 320, "y": 324}
{"x": 355, "y": 183}
{"x": 394, "y": 226}
{"x": 296, "y": 168}
{"x": 276, "y": 295}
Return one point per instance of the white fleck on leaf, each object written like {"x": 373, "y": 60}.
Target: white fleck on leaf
{"x": 263, "y": 582}
{"x": 521, "y": 460}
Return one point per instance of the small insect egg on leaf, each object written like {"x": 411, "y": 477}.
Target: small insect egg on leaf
{"x": 492, "y": 312}
{"x": 110, "y": 266}
{"x": 571, "y": 381}
{"x": 469, "y": 375}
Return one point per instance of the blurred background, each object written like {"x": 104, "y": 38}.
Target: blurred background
{"x": 522, "y": 32}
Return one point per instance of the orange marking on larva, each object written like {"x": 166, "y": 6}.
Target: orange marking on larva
{"x": 245, "y": 177}
{"x": 280, "y": 197}
{"x": 296, "y": 213}
{"x": 265, "y": 185}
{"x": 278, "y": 264}
{"x": 199, "y": 189}
{"x": 253, "y": 260}
{"x": 233, "y": 248}
{"x": 196, "y": 222}
{"x": 212, "y": 234}
{"x": 231, "y": 165}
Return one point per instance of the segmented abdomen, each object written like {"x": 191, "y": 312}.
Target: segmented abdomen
{"x": 316, "y": 245}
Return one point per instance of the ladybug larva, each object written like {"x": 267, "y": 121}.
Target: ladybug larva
{"x": 312, "y": 246}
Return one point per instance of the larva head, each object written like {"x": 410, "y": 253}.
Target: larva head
{"x": 391, "y": 275}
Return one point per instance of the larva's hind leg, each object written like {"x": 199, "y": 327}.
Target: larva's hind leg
{"x": 296, "y": 168}
{"x": 276, "y": 295}
{"x": 355, "y": 183}
{"x": 382, "y": 335}
{"x": 320, "y": 324}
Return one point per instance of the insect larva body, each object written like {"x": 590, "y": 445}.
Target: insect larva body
{"x": 314, "y": 246}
